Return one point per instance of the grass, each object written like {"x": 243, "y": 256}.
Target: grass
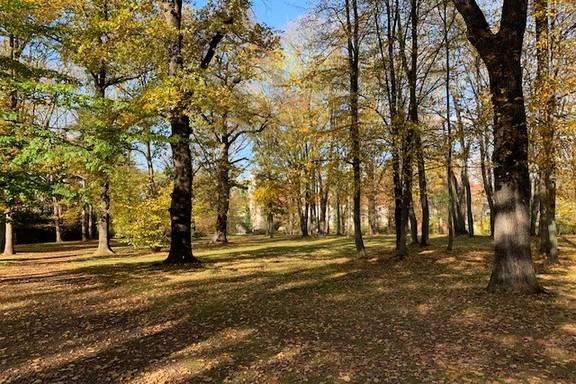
{"x": 281, "y": 311}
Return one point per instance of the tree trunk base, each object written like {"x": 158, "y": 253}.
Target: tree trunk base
{"x": 361, "y": 254}
{"x": 525, "y": 287}
{"x": 103, "y": 252}
{"x": 190, "y": 261}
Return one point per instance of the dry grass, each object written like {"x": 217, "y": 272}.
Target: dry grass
{"x": 281, "y": 311}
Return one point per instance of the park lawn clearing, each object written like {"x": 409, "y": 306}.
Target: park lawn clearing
{"x": 281, "y": 311}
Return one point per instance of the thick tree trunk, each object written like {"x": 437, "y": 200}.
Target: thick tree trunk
{"x": 513, "y": 268}
{"x": 9, "y": 233}
{"x": 181, "y": 203}
{"x": 104, "y": 223}
{"x": 57, "y": 212}
{"x": 223, "y": 202}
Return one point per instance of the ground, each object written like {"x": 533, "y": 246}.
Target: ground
{"x": 281, "y": 311}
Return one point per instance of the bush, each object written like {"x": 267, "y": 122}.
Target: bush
{"x": 145, "y": 223}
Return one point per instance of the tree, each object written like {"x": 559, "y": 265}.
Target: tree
{"x": 501, "y": 52}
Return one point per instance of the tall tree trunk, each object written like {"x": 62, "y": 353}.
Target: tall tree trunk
{"x": 423, "y": 189}
{"x": 9, "y": 233}
{"x": 487, "y": 180}
{"x": 449, "y": 171}
{"x": 371, "y": 190}
{"x": 534, "y": 205}
{"x": 270, "y": 224}
{"x": 513, "y": 267}
{"x": 352, "y": 20}
{"x": 338, "y": 215}
{"x": 465, "y": 195}
{"x": 223, "y": 202}
{"x": 545, "y": 91}
{"x": 181, "y": 203}
{"x": 413, "y": 224}
{"x": 150, "y": 168}
{"x": 303, "y": 216}
{"x": 324, "y": 223}
{"x": 90, "y": 222}
{"x": 414, "y": 119}
{"x": 57, "y": 212}
{"x": 104, "y": 223}
{"x": 83, "y": 220}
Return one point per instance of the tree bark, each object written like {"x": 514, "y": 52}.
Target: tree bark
{"x": 352, "y": 19}
{"x": 57, "y": 212}
{"x": 104, "y": 223}
{"x": 513, "y": 267}
{"x": 223, "y": 202}
{"x": 181, "y": 198}
{"x": 545, "y": 91}
{"x": 487, "y": 180}
{"x": 413, "y": 224}
{"x": 83, "y": 219}
{"x": 90, "y": 222}
{"x": 338, "y": 216}
{"x": 449, "y": 171}
{"x": 534, "y": 205}
{"x": 9, "y": 233}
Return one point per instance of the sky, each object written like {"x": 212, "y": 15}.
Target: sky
{"x": 278, "y": 13}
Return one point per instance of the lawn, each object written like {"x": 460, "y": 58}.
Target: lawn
{"x": 281, "y": 311}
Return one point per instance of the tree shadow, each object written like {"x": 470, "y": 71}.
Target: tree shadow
{"x": 289, "y": 313}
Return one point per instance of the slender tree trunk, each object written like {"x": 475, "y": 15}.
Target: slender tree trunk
{"x": 423, "y": 188}
{"x": 465, "y": 195}
{"x": 324, "y": 223}
{"x": 303, "y": 216}
{"x": 104, "y": 223}
{"x": 545, "y": 89}
{"x": 83, "y": 220}
{"x": 338, "y": 216}
{"x": 450, "y": 174}
{"x": 371, "y": 191}
{"x": 270, "y": 224}
{"x": 534, "y": 205}
{"x": 223, "y": 203}
{"x": 487, "y": 181}
{"x": 57, "y": 212}
{"x": 150, "y": 168}
{"x": 352, "y": 19}
{"x": 413, "y": 224}
{"x": 9, "y": 233}
{"x": 90, "y": 222}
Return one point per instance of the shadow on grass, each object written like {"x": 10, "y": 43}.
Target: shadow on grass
{"x": 287, "y": 312}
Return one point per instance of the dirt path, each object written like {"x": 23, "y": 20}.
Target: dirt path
{"x": 280, "y": 312}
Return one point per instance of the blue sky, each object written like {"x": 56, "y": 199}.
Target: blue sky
{"x": 277, "y": 13}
